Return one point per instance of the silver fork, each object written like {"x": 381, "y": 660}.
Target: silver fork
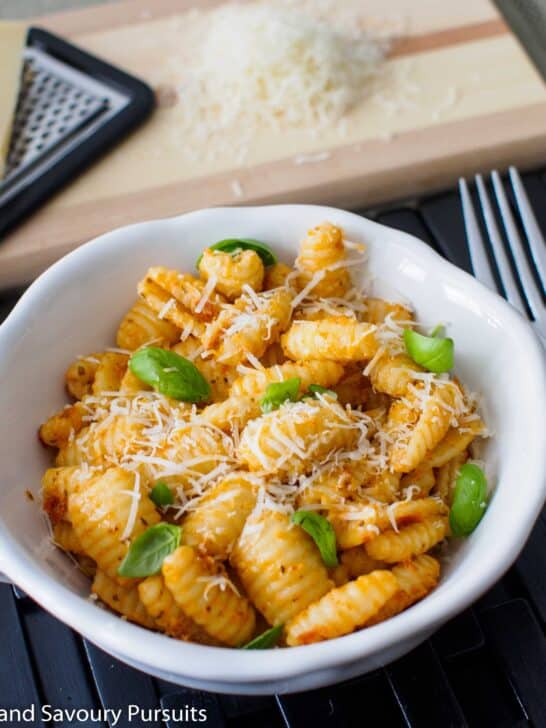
{"x": 537, "y": 246}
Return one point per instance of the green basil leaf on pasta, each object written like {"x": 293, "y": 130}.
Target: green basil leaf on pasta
{"x": 161, "y": 494}
{"x": 315, "y": 389}
{"x": 278, "y": 393}
{"x": 148, "y": 551}
{"x": 169, "y": 374}
{"x": 321, "y": 531}
{"x": 267, "y": 639}
{"x": 430, "y": 352}
{"x": 469, "y": 500}
{"x": 235, "y": 245}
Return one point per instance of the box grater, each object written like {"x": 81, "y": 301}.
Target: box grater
{"x": 71, "y": 108}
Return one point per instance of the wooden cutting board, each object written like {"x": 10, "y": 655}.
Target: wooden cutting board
{"x": 460, "y": 96}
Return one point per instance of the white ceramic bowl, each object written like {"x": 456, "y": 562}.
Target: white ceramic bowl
{"x": 73, "y": 309}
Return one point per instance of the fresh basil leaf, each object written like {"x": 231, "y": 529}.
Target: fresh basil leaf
{"x": 469, "y": 500}
{"x": 161, "y": 494}
{"x": 169, "y": 374}
{"x": 278, "y": 393}
{"x": 147, "y": 552}
{"x": 235, "y": 245}
{"x": 318, "y": 389}
{"x": 430, "y": 352}
{"x": 322, "y": 533}
{"x": 267, "y": 639}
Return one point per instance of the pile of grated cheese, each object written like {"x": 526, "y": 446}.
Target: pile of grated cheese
{"x": 270, "y": 66}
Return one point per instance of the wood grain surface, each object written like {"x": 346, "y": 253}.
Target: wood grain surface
{"x": 480, "y": 104}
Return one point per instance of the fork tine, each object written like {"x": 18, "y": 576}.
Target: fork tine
{"x": 527, "y": 281}
{"x": 537, "y": 244}
{"x": 476, "y": 247}
{"x": 503, "y": 266}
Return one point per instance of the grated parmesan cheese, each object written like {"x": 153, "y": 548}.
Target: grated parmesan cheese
{"x": 262, "y": 65}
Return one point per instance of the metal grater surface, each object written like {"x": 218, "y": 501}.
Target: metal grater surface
{"x": 59, "y": 108}
{"x": 49, "y": 110}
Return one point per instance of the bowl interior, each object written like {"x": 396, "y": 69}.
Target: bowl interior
{"x": 75, "y": 307}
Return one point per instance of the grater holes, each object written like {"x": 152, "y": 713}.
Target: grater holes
{"x": 50, "y": 110}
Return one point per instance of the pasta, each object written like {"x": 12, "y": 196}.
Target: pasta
{"x": 141, "y": 325}
{"x": 343, "y": 609}
{"x": 279, "y": 566}
{"x": 338, "y": 338}
{"x": 232, "y": 273}
{"x": 100, "y": 512}
{"x": 260, "y": 450}
{"x": 203, "y": 592}
{"x": 412, "y": 540}
{"x": 122, "y": 599}
{"x": 165, "y": 612}
{"x": 219, "y": 517}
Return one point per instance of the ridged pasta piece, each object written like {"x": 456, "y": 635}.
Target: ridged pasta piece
{"x": 432, "y": 425}
{"x": 276, "y": 275}
{"x": 332, "y": 485}
{"x": 141, "y": 326}
{"x": 233, "y": 412}
{"x": 65, "y": 538}
{"x": 167, "y": 615}
{"x": 194, "y": 581}
{"x": 343, "y": 609}
{"x": 103, "y": 442}
{"x": 412, "y": 540}
{"x": 455, "y": 442}
{"x": 293, "y": 438}
{"x": 232, "y": 272}
{"x": 411, "y": 511}
{"x": 59, "y": 429}
{"x": 279, "y": 565}
{"x": 416, "y": 578}
{"x": 179, "y": 298}
{"x": 100, "y": 514}
{"x": 220, "y": 376}
{"x": 392, "y": 374}
{"x": 254, "y": 384}
{"x": 218, "y": 518}
{"x": 358, "y": 562}
{"x": 357, "y": 523}
{"x": 198, "y": 447}
{"x": 336, "y": 338}
{"x": 239, "y": 331}
{"x": 57, "y": 483}
{"x": 377, "y": 310}
{"x": 109, "y": 373}
{"x": 319, "y": 250}
{"x": 446, "y": 476}
{"x": 80, "y": 375}
{"x": 122, "y": 599}
{"x": 421, "y": 480}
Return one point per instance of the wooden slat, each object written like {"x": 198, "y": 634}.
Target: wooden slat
{"x": 58, "y": 656}
{"x": 17, "y": 682}
{"x": 518, "y": 641}
{"x": 423, "y": 691}
{"x": 119, "y": 685}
